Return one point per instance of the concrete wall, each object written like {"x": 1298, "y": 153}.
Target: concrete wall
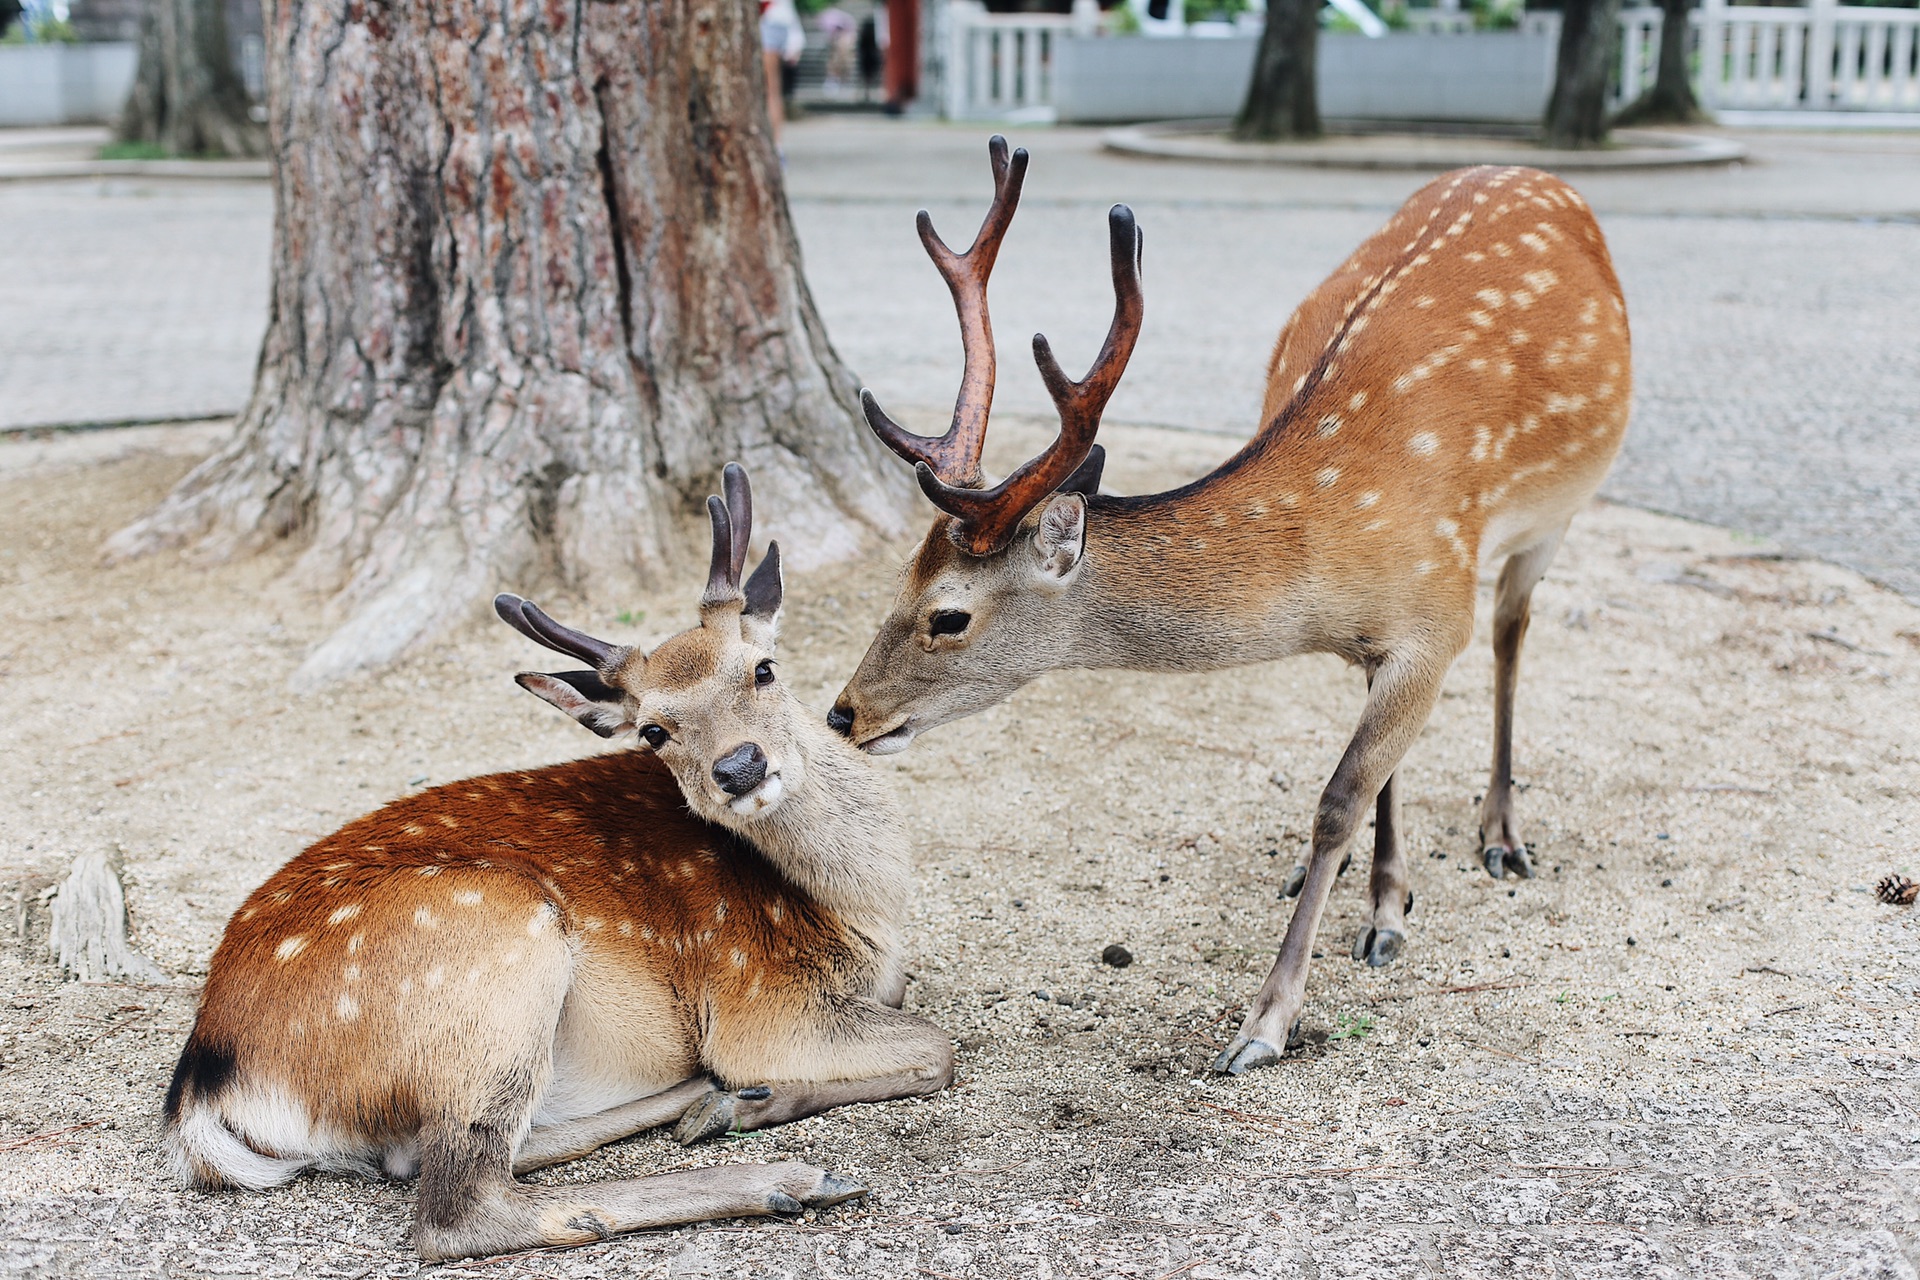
{"x": 1491, "y": 76}
{"x": 43, "y": 84}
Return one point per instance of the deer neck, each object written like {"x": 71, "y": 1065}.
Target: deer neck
{"x": 1168, "y": 585}
{"x": 838, "y": 836}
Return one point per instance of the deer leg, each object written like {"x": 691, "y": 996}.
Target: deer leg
{"x": 1399, "y": 699}
{"x": 1380, "y": 941}
{"x": 470, "y": 1205}
{"x": 1500, "y": 844}
{"x": 556, "y": 1143}
{"x": 863, "y": 1051}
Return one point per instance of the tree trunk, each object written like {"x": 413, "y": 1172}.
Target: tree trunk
{"x": 1577, "y": 112}
{"x": 1283, "y": 102}
{"x": 187, "y": 99}
{"x": 534, "y": 284}
{"x": 1670, "y": 100}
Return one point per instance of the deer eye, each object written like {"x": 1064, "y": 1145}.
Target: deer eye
{"x": 948, "y": 622}
{"x": 763, "y": 674}
{"x": 655, "y": 735}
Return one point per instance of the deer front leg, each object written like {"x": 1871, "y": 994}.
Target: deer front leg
{"x": 861, "y": 1051}
{"x": 555, "y": 1143}
{"x": 1400, "y": 698}
{"x": 1500, "y": 844}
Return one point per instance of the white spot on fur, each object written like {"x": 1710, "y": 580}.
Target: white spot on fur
{"x": 739, "y": 958}
{"x": 423, "y": 918}
{"x": 1423, "y": 444}
{"x": 626, "y": 928}
{"x": 1326, "y": 477}
{"x": 469, "y": 897}
{"x": 426, "y": 871}
{"x": 1367, "y": 499}
{"x": 290, "y": 948}
{"x": 1357, "y": 401}
{"x": 435, "y": 976}
{"x": 340, "y": 915}
{"x": 1329, "y": 426}
{"x": 351, "y": 973}
{"x": 346, "y": 1008}
{"x": 1492, "y": 297}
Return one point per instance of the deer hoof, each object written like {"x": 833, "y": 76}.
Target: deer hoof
{"x": 1496, "y": 859}
{"x": 1296, "y": 880}
{"x": 779, "y": 1202}
{"x": 1385, "y": 947}
{"x": 1345, "y": 863}
{"x": 1519, "y": 862}
{"x": 708, "y": 1118}
{"x": 1363, "y": 944}
{"x": 834, "y": 1189}
{"x": 1244, "y": 1055}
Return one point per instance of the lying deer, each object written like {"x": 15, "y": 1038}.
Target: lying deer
{"x": 1451, "y": 395}
{"x": 508, "y": 972}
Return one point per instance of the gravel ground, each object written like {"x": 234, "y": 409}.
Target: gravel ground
{"x": 1687, "y": 1049}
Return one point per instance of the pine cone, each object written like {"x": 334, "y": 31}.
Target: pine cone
{"x": 1899, "y": 891}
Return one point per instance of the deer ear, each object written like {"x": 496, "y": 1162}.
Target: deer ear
{"x": 582, "y": 695}
{"x": 765, "y": 590}
{"x": 1060, "y": 538}
{"x": 1086, "y": 477}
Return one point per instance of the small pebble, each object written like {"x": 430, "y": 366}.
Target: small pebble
{"x": 1631, "y": 942}
{"x": 1041, "y": 995}
{"x": 1117, "y": 956}
{"x": 1666, "y": 884}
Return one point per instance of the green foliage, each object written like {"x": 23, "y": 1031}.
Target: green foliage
{"x": 1215, "y": 10}
{"x": 1337, "y": 23}
{"x": 1123, "y": 21}
{"x": 1497, "y": 15}
{"x": 42, "y": 30}
{"x": 807, "y": 8}
{"x": 1352, "y": 1026}
{"x": 1394, "y": 14}
{"x": 133, "y": 151}
{"x": 630, "y": 617}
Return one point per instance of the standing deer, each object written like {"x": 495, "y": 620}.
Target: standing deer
{"x": 1452, "y": 394}
{"x": 508, "y": 972}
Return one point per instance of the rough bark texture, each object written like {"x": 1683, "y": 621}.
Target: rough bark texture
{"x": 1671, "y": 99}
{"x": 187, "y": 99}
{"x": 88, "y": 932}
{"x": 1577, "y": 111}
{"x": 1283, "y": 100}
{"x": 535, "y": 283}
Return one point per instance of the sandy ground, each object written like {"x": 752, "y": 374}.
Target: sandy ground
{"x": 1688, "y": 1049}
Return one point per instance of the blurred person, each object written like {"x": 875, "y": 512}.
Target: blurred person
{"x": 871, "y": 51}
{"x": 781, "y": 43}
{"x": 838, "y": 26}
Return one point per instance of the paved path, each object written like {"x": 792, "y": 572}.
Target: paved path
{"x": 1773, "y": 305}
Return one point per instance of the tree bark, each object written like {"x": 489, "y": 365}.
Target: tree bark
{"x": 1671, "y": 99}
{"x": 1577, "y": 111}
{"x": 187, "y": 99}
{"x": 1283, "y": 101}
{"x": 534, "y": 284}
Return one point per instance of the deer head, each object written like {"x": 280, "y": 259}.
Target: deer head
{"x": 978, "y": 608}
{"x": 706, "y": 701}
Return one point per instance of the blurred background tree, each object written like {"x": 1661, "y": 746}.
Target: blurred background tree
{"x": 187, "y": 99}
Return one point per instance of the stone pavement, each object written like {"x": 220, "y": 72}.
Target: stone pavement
{"x": 1772, "y": 303}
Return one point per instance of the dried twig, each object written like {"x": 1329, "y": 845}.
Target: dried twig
{"x": 17, "y": 1143}
{"x": 1733, "y": 787}
{"x": 1254, "y": 1117}
{"x": 1480, "y": 986}
{"x": 1832, "y": 637}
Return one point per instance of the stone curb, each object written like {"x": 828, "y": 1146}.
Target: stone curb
{"x": 196, "y": 170}
{"x": 1206, "y": 140}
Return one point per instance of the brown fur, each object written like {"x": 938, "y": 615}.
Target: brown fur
{"x": 1451, "y": 395}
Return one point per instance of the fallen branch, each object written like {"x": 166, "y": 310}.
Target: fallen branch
{"x": 17, "y": 1143}
{"x": 89, "y": 931}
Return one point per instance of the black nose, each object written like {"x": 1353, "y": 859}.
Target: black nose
{"x": 741, "y": 769}
{"x": 840, "y": 720}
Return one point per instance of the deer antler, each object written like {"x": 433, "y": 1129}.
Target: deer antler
{"x": 732, "y": 528}
{"x": 526, "y": 617}
{"x": 986, "y": 518}
{"x": 955, "y": 456}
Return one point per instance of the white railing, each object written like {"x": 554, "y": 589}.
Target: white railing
{"x": 1825, "y": 57}
{"x": 996, "y": 64}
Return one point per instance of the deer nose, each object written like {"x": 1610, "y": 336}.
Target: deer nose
{"x": 840, "y": 720}
{"x": 741, "y": 769}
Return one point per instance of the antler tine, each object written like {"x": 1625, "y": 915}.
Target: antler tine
{"x": 527, "y": 618}
{"x": 733, "y": 483}
{"x": 955, "y": 456}
{"x": 723, "y": 584}
{"x": 987, "y": 518}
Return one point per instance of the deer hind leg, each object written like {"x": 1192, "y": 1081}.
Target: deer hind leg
{"x": 1501, "y": 848}
{"x": 469, "y": 1204}
{"x": 1399, "y": 699}
{"x": 1380, "y": 942}
{"x": 866, "y": 1052}
{"x": 556, "y": 1143}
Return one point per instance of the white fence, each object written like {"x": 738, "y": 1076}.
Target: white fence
{"x": 1824, "y": 57}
